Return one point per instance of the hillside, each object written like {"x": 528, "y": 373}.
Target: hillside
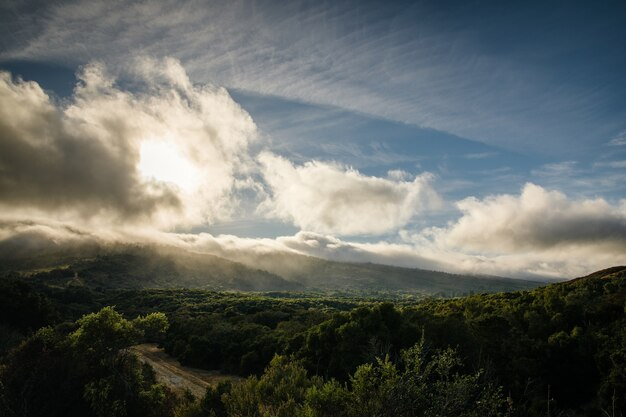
{"x": 167, "y": 267}
{"x": 317, "y": 273}
{"x": 150, "y": 267}
{"x": 487, "y": 354}
{"x": 342, "y": 275}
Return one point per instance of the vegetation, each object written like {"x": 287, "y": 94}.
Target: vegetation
{"x": 83, "y": 369}
{"x": 559, "y": 350}
{"x": 167, "y": 267}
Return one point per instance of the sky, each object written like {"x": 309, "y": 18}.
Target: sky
{"x": 474, "y": 136}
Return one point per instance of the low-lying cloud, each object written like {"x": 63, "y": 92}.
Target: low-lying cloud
{"x": 81, "y": 157}
{"x": 329, "y": 198}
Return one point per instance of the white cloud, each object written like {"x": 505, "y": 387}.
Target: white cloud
{"x": 619, "y": 139}
{"x": 329, "y": 198}
{"x": 330, "y": 247}
{"x": 535, "y": 221}
{"x": 84, "y": 157}
{"x": 536, "y": 234}
{"x": 555, "y": 170}
{"x": 354, "y": 55}
{"x": 398, "y": 175}
{"x": 480, "y": 155}
{"x": 610, "y": 164}
{"x": 27, "y": 237}
{"x": 414, "y": 251}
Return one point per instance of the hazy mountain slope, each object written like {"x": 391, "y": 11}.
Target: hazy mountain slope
{"x": 323, "y": 274}
{"x": 341, "y": 275}
{"x": 613, "y": 272}
{"x": 136, "y": 266}
{"x": 146, "y": 267}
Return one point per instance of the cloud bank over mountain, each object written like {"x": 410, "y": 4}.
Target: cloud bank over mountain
{"x": 143, "y": 155}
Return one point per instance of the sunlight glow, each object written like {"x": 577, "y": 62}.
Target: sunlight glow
{"x": 163, "y": 161}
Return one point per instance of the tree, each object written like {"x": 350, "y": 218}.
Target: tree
{"x": 373, "y": 389}
{"x": 153, "y": 326}
{"x": 88, "y": 372}
{"x": 280, "y": 392}
{"x": 101, "y": 335}
{"x": 328, "y": 400}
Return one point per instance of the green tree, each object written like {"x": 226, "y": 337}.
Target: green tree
{"x": 373, "y": 389}
{"x": 101, "y": 335}
{"x": 88, "y": 372}
{"x": 152, "y": 326}
{"x": 328, "y": 400}
{"x": 279, "y": 392}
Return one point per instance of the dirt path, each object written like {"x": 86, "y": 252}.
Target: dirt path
{"x": 174, "y": 375}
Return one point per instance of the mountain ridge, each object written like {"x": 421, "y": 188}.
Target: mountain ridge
{"x": 153, "y": 266}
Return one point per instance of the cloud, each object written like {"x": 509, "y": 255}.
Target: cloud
{"x": 27, "y": 238}
{"x": 610, "y": 164}
{"x": 556, "y": 170}
{"x": 535, "y": 221}
{"x": 480, "y": 155}
{"x": 358, "y": 56}
{"x": 330, "y": 247}
{"x": 78, "y": 171}
{"x": 536, "y": 234}
{"x": 619, "y": 139}
{"x": 84, "y": 156}
{"x": 413, "y": 251}
{"x": 329, "y": 198}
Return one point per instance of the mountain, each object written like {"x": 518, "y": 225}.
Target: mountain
{"x": 150, "y": 267}
{"x": 340, "y": 275}
{"x": 144, "y": 266}
{"x": 323, "y": 274}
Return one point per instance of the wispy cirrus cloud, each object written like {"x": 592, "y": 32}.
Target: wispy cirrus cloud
{"x": 555, "y": 169}
{"x": 419, "y": 63}
{"x": 480, "y": 155}
{"x": 619, "y": 139}
{"x": 610, "y": 164}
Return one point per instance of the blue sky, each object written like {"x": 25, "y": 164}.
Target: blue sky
{"x": 455, "y": 109}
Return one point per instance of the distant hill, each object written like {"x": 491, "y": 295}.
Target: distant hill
{"x": 323, "y": 274}
{"x": 615, "y": 271}
{"x": 147, "y": 267}
{"x": 340, "y": 275}
{"x": 132, "y": 266}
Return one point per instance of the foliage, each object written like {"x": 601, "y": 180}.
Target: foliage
{"x": 378, "y": 389}
{"x": 101, "y": 335}
{"x": 87, "y": 371}
{"x": 152, "y": 326}
{"x": 557, "y": 350}
{"x": 22, "y": 310}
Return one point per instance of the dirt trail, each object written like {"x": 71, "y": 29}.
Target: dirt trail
{"x": 177, "y": 377}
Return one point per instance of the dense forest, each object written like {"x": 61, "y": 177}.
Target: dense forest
{"x": 558, "y": 350}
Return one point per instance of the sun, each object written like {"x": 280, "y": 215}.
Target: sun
{"x": 163, "y": 161}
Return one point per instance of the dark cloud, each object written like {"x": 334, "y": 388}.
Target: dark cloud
{"x": 49, "y": 161}
{"x": 83, "y": 157}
